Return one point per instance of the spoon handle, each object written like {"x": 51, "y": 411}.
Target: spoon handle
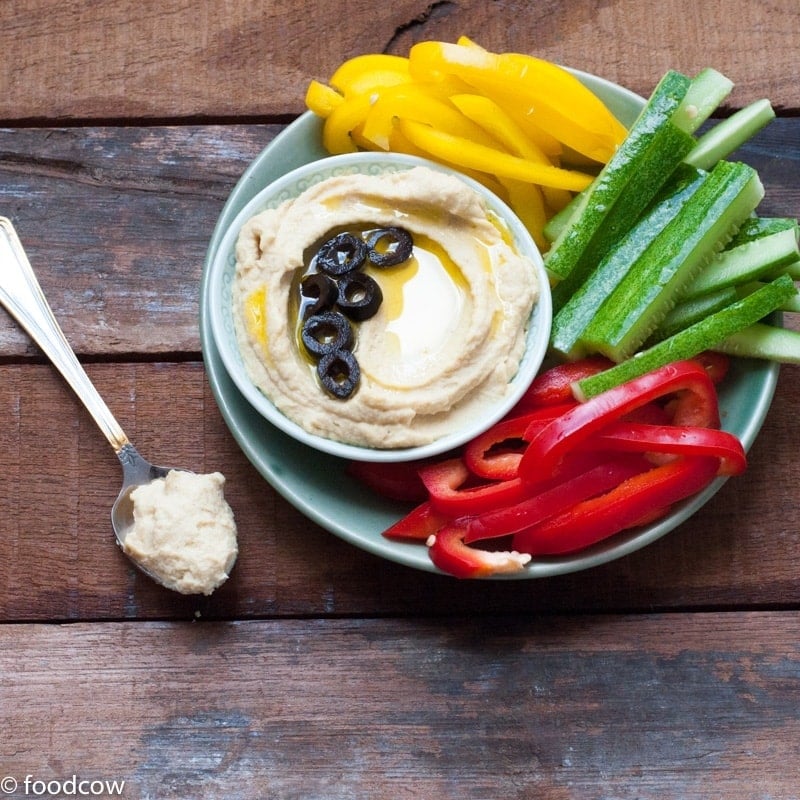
{"x": 23, "y": 298}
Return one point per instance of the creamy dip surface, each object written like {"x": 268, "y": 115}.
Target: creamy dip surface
{"x": 447, "y": 338}
{"x": 184, "y": 531}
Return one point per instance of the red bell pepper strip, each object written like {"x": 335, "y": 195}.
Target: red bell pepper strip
{"x": 393, "y": 480}
{"x": 673, "y": 440}
{"x": 444, "y": 482}
{"x": 696, "y": 404}
{"x": 422, "y": 521}
{"x": 590, "y": 481}
{"x": 554, "y": 385}
{"x": 715, "y": 364}
{"x": 625, "y": 506}
{"x": 449, "y": 553}
{"x": 495, "y": 454}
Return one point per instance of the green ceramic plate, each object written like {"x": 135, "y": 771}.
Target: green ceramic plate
{"x": 316, "y": 483}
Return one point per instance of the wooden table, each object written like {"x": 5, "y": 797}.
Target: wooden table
{"x": 319, "y": 671}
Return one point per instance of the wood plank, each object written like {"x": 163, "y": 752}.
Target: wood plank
{"x": 58, "y": 559}
{"x": 662, "y": 706}
{"x": 126, "y": 59}
{"x": 116, "y": 221}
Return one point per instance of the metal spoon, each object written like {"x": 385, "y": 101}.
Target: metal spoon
{"x": 23, "y": 298}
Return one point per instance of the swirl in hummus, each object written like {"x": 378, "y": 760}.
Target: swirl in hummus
{"x": 447, "y": 338}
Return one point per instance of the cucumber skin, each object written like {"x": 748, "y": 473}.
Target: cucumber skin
{"x": 762, "y": 340}
{"x": 748, "y": 261}
{"x": 573, "y": 318}
{"x": 640, "y": 302}
{"x": 692, "y": 341}
{"x": 757, "y": 227}
{"x": 623, "y": 188}
{"x": 689, "y": 311}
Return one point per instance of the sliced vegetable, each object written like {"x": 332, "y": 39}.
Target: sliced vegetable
{"x": 729, "y": 134}
{"x": 445, "y": 482}
{"x": 393, "y": 480}
{"x": 761, "y": 340}
{"x": 449, "y": 553}
{"x": 766, "y": 255}
{"x": 562, "y": 105}
{"x": 468, "y": 153}
{"x": 636, "y": 499}
{"x": 625, "y": 186}
{"x": 703, "y": 335}
{"x": 638, "y": 437}
{"x": 697, "y": 406}
{"x": 706, "y": 91}
{"x": 572, "y": 320}
{"x": 695, "y": 309}
{"x": 420, "y": 523}
{"x": 708, "y": 219}
{"x": 553, "y": 387}
{"x": 598, "y": 478}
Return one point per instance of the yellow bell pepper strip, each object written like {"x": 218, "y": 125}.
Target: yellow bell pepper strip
{"x": 364, "y": 73}
{"x": 527, "y": 202}
{"x": 493, "y": 119}
{"x": 341, "y": 127}
{"x": 416, "y": 103}
{"x": 562, "y": 105}
{"x": 322, "y": 99}
{"x": 466, "y": 153}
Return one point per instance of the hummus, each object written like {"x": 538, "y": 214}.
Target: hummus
{"x": 183, "y": 531}
{"x": 447, "y": 338}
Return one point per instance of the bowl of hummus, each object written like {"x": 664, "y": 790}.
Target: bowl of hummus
{"x": 379, "y": 307}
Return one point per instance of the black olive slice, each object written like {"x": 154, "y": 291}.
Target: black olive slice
{"x": 341, "y": 254}
{"x": 359, "y": 296}
{"x": 389, "y": 246}
{"x": 326, "y": 333}
{"x": 339, "y": 373}
{"x": 318, "y": 293}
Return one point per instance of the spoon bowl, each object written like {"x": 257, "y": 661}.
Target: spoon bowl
{"x": 22, "y": 297}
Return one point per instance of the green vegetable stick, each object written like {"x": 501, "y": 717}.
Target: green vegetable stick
{"x": 691, "y": 341}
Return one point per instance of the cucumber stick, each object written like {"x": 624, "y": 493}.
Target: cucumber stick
{"x": 757, "y": 227}
{"x": 762, "y": 340}
{"x": 692, "y": 341}
{"x": 574, "y": 316}
{"x": 726, "y": 136}
{"x": 746, "y": 262}
{"x": 701, "y": 227}
{"x": 623, "y": 188}
{"x": 687, "y": 312}
{"x": 706, "y": 91}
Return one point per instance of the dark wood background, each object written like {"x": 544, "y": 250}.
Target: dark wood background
{"x": 320, "y": 671}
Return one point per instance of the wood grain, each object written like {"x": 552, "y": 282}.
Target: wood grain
{"x": 116, "y": 221}
{"x": 319, "y": 671}
{"x": 58, "y": 559}
{"x": 661, "y": 706}
{"x": 124, "y": 59}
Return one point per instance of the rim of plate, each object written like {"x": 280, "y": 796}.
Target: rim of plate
{"x": 279, "y": 155}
